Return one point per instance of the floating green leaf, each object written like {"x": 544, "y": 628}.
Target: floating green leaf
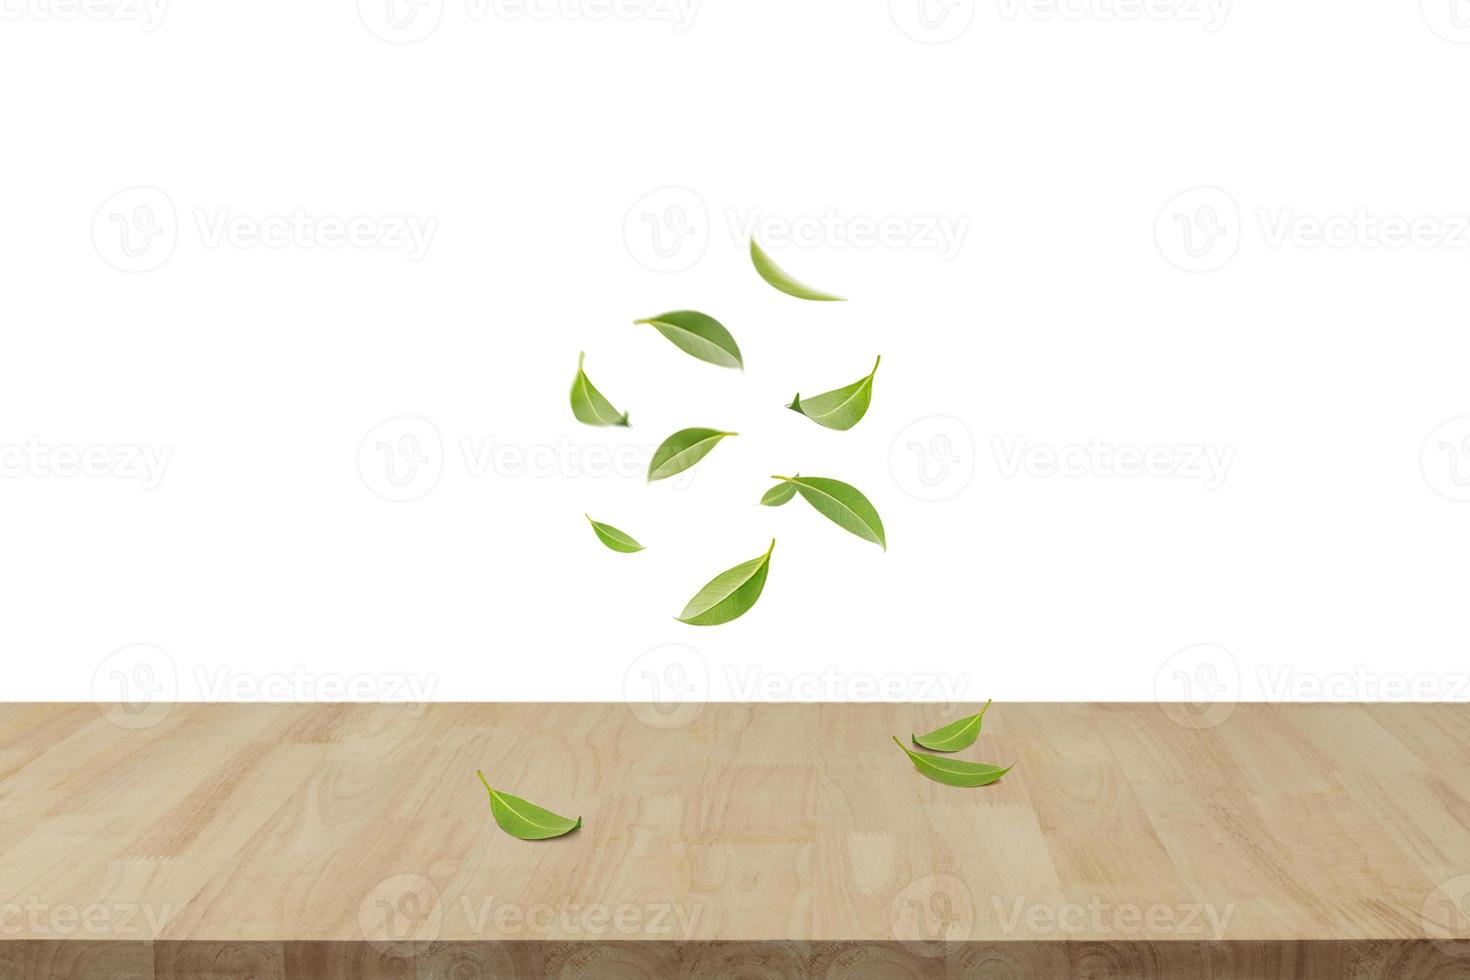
{"x": 700, "y": 335}
{"x": 526, "y": 820}
{"x": 779, "y": 494}
{"x": 613, "y": 538}
{"x": 954, "y": 736}
{"x": 729, "y": 595}
{"x": 842, "y": 504}
{"x": 588, "y": 404}
{"x": 682, "y": 450}
{"x": 842, "y": 408}
{"x": 953, "y": 772}
{"x": 776, "y": 276}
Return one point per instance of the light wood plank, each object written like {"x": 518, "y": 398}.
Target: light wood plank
{"x": 781, "y": 840}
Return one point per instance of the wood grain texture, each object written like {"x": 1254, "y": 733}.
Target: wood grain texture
{"x": 746, "y": 841}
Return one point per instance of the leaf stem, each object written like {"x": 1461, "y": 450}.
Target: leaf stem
{"x": 875, "y": 366}
{"x": 484, "y": 780}
{"x": 771, "y": 548}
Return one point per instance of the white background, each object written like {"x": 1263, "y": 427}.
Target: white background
{"x": 1180, "y": 225}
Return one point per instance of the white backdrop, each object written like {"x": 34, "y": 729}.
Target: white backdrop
{"x": 1170, "y": 298}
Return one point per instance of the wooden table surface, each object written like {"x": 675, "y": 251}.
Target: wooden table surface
{"x": 729, "y": 840}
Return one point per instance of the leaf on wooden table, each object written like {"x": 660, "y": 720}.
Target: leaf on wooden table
{"x": 682, "y": 450}
{"x": 613, "y": 538}
{"x": 954, "y": 736}
{"x": 699, "y": 335}
{"x": 953, "y": 772}
{"x": 842, "y": 408}
{"x": 526, "y": 820}
{"x": 730, "y": 594}
{"x": 589, "y": 405}
{"x": 779, "y": 278}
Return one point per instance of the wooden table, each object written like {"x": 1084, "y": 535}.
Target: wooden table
{"x": 733, "y": 841}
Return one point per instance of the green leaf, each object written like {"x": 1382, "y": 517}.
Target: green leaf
{"x": 588, "y": 404}
{"x": 613, "y": 538}
{"x": 729, "y": 595}
{"x": 841, "y": 408}
{"x": 702, "y": 336}
{"x": 842, "y": 504}
{"x": 779, "y": 494}
{"x": 526, "y": 820}
{"x": 776, "y": 276}
{"x": 954, "y": 736}
{"x": 953, "y": 772}
{"x": 682, "y": 450}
